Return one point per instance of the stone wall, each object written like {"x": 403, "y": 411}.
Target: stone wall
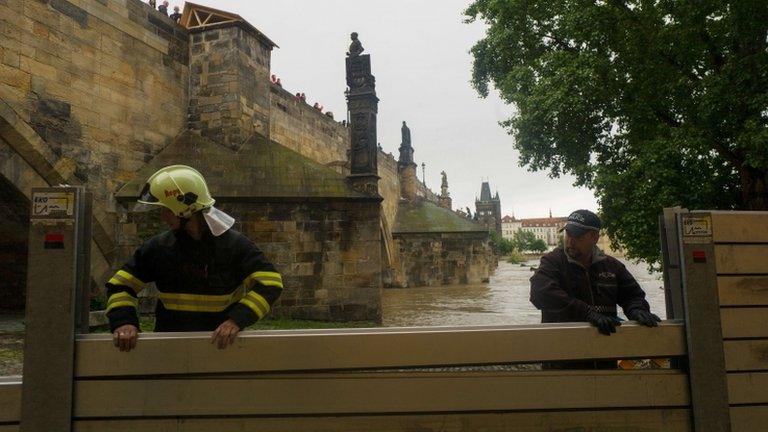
{"x": 305, "y": 130}
{"x": 104, "y": 84}
{"x": 389, "y": 187}
{"x": 229, "y": 86}
{"x": 435, "y": 259}
{"x": 328, "y": 253}
{"x": 89, "y": 92}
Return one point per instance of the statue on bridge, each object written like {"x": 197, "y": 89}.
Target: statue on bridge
{"x": 355, "y": 48}
{"x": 406, "y": 134}
{"x": 444, "y": 185}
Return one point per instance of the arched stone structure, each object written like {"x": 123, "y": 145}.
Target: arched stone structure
{"x": 26, "y": 161}
{"x": 14, "y": 213}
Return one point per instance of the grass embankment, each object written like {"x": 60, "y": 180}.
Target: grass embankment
{"x": 11, "y": 353}
{"x": 12, "y": 343}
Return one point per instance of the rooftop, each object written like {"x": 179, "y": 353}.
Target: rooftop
{"x": 423, "y": 216}
{"x": 260, "y": 169}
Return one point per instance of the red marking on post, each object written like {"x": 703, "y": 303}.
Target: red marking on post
{"x": 54, "y": 238}
{"x": 699, "y": 256}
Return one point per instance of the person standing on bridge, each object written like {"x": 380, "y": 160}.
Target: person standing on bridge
{"x": 578, "y": 282}
{"x": 209, "y": 276}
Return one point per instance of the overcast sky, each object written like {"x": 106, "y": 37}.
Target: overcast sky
{"x": 420, "y": 57}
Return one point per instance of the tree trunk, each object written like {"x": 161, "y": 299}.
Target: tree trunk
{"x": 754, "y": 189}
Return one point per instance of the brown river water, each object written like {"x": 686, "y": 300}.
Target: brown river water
{"x": 502, "y": 301}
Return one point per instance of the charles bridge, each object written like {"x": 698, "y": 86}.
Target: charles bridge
{"x": 102, "y": 93}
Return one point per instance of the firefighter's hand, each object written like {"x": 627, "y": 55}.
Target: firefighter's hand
{"x": 605, "y": 325}
{"x": 225, "y": 335}
{"x": 125, "y": 337}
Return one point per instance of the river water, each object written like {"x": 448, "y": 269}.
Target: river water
{"x": 503, "y": 300}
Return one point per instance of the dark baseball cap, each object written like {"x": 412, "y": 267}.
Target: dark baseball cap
{"x": 580, "y": 222}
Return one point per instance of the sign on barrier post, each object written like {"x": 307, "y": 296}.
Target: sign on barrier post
{"x": 706, "y": 356}
{"x": 57, "y": 233}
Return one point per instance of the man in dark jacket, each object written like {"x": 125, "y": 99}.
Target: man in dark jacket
{"x": 580, "y": 283}
{"x": 208, "y": 276}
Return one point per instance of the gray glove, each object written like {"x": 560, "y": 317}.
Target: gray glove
{"x": 605, "y": 324}
{"x": 644, "y": 317}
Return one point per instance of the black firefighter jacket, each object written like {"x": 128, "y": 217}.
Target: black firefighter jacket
{"x": 201, "y": 283}
{"x": 564, "y": 290}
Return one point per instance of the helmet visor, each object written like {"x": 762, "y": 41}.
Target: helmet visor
{"x": 146, "y": 195}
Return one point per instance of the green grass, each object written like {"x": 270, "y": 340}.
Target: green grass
{"x": 11, "y": 353}
{"x": 516, "y": 258}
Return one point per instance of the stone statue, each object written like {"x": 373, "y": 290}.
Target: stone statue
{"x": 355, "y": 48}
{"x": 406, "y": 132}
{"x": 444, "y": 185}
{"x": 469, "y": 213}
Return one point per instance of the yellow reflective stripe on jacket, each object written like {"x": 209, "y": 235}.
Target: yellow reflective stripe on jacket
{"x": 121, "y": 299}
{"x": 258, "y": 304}
{"x": 268, "y": 278}
{"x": 200, "y": 302}
{"x": 122, "y": 277}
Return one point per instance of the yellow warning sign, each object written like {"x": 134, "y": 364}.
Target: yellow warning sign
{"x": 700, "y": 226}
{"x": 53, "y": 204}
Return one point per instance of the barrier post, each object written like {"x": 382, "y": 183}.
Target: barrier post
{"x": 56, "y": 253}
{"x": 706, "y": 356}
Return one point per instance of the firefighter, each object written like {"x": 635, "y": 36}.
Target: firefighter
{"x": 209, "y": 276}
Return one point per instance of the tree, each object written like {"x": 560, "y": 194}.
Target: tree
{"x": 525, "y": 240}
{"x": 539, "y": 246}
{"x": 500, "y": 245}
{"x": 649, "y": 103}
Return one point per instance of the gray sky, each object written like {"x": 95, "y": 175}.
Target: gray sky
{"x": 420, "y": 57}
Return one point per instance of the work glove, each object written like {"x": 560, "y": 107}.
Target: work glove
{"x": 644, "y": 317}
{"x": 605, "y": 324}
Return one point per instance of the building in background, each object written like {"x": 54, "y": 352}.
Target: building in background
{"x": 509, "y": 226}
{"x": 547, "y": 229}
{"x": 488, "y": 209}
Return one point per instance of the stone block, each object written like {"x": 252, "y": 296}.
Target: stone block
{"x": 15, "y": 77}
{"x": 303, "y": 269}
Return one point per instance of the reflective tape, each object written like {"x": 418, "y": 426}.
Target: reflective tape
{"x": 267, "y": 278}
{"x": 124, "y": 278}
{"x": 256, "y": 303}
{"x": 200, "y": 302}
{"x": 122, "y": 299}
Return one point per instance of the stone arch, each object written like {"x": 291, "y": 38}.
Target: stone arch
{"x": 14, "y": 212}
{"x": 26, "y": 161}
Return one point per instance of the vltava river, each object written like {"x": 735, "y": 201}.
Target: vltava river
{"x": 504, "y": 300}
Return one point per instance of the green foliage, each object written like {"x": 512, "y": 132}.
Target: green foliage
{"x": 649, "y": 103}
{"x": 515, "y": 257}
{"x": 539, "y": 246}
{"x": 500, "y": 245}
{"x": 98, "y": 302}
{"x": 526, "y": 240}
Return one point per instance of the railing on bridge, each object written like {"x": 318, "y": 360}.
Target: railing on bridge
{"x": 455, "y": 379}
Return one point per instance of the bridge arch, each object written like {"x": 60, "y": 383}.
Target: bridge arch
{"x": 26, "y": 161}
